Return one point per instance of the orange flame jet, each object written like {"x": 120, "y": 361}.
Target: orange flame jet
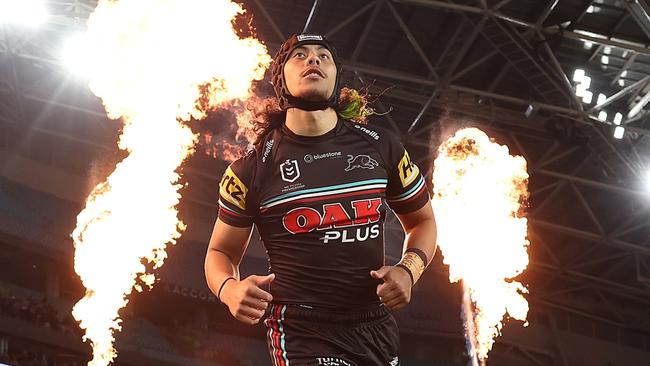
{"x": 154, "y": 64}
{"x": 479, "y": 194}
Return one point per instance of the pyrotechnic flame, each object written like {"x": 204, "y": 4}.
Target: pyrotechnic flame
{"x": 479, "y": 191}
{"x": 467, "y": 316}
{"x": 154, "y": 64}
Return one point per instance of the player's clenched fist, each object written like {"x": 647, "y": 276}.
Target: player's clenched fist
{"x": 245, "y": 299}
{"x": 395, "y": 290}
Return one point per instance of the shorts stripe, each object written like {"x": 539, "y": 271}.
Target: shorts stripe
{"x": 276, "y": 335}
{"x": 269, "y": 334}
{"x": 282, "y": 344}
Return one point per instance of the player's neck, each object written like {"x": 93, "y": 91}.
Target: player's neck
{"x": 311, "y": 123}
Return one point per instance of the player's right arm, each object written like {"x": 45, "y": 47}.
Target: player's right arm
{"x": 245, "y": 298}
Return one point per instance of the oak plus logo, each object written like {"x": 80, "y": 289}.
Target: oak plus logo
{"x": 289, "y": 170}
{"x": 357, "y": 224}
{"x": 361, "y": 161}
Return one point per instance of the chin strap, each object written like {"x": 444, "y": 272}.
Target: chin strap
{"x": 306, "y": 105}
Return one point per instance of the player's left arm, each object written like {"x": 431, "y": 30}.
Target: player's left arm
{"x": 419, "y": 248}
{"x": 421, "y": 232}
{"x": 408, "y": 196}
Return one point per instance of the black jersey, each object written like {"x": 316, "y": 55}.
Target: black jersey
{"x": 319, "y": 204}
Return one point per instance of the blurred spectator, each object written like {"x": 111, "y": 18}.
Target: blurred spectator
{"x": 38, "y": 311}
{"x": 188, "y": 339}
{"x": 31, "y": 357}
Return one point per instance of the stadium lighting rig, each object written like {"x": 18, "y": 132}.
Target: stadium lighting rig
{"x": 582, "y": 87}
{"x": 583, "y": 83}
{"x": 619, "y": 131}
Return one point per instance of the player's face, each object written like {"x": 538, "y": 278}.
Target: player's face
{"x": 310, "y": 73}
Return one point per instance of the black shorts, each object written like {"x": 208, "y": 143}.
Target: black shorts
{"x": 304, "y": 336}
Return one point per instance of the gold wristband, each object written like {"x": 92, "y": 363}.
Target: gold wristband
{"x": 414, "y": 263}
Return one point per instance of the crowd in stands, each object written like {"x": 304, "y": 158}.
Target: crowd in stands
{"x": 27, "y": 356}
{"x": 40, "y": 312}
{"x": 189, "y": 341}
{"x": 37, "y": 311}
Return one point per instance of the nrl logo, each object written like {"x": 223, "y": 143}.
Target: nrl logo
{"x": 361, "y": 161}
{"x": 289, "y": 171}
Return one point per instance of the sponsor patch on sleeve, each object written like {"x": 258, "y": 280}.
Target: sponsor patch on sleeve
{"x": 407, "y": 170}
{"x": 232, "y": 189}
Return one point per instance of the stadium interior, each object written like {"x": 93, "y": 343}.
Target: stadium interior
{"x": 517, "y": 69}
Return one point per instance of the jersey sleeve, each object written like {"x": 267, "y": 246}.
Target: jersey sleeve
{"x": 235, "y": 195}
{"x": 406, "y": 191}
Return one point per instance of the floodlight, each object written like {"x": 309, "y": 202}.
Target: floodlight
{"x": 619, "y": 132}
{"x": 618, "y": 118}
{"x": 578, "y": 75}
{"x": 602, "y": 115}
